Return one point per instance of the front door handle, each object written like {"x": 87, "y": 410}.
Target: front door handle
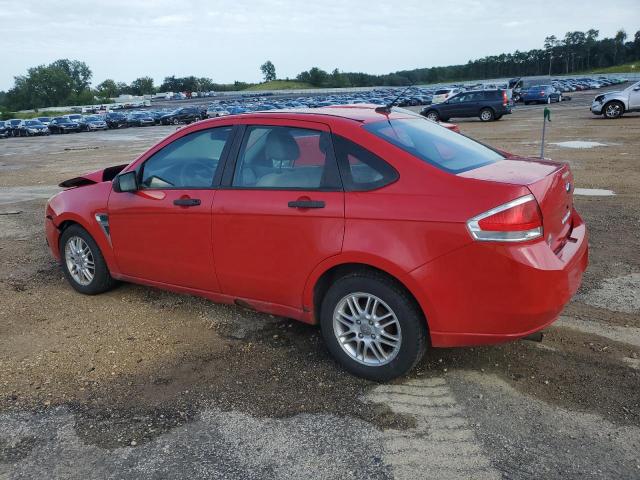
{"x": 187, "y": 202}
{"x": 306, "y": 204}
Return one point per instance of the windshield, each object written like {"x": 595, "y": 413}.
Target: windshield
{"x": 93, "y": 118}
{"x": 32, "y": 123}
{"x": 442, "y": 92}
{"x": 434, "y": 144}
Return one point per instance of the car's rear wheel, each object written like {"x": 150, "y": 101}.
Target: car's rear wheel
{"x": 548, "y": 100}
{"x": 175, "y": 121}
{"x": 83, "y": 263}
{"x": 372, "y": 326}
{"x": 613, "y": 110}
{"x": 486, "y": 115}
{"x": 433, "y": 115}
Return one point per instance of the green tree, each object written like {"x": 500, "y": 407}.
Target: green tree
{"x": 268, "y": 70}
{"x": 142, "y": 86}
{"x": 107, "y": 89}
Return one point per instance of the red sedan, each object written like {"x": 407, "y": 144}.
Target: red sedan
{"x": 390, "y": 231}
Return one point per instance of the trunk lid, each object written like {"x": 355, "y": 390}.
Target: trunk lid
{"x": 550, "y": 183}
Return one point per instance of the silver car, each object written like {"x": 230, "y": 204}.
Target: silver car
{"x": 614, "y": 104}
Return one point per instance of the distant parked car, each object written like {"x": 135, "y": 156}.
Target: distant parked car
{"x": 63, "y": 125}
{"x": 442, "y": 94}
{"x": 140, "y": 119}
{"x": 486, "y": 104}
{"x": 216, "y": 111}
{"x": 5, "y": 130}
{"x": 541, "y": 94}
{"x": 182, "y": 115}
{"x": 116, "y": 120}
{"x": 615, "y": 104}
{"x": 91, "y": 123}
{"x": 74, "y": 117}
{"x": 29, "y": 128}
{"x": 14, "y": 125}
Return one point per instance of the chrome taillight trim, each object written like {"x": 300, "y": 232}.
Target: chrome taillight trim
{"x": 503, "y": 236}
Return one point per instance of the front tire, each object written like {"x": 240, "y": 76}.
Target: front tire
{"x": 433, "y": 115}
{"x": 372, "y": 326}
{"x": 83, "y": 263}
{"x": 613, "y": 110}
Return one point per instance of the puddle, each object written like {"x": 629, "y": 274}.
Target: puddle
{"x": 579, "y": 144}
{"x": 10, "y": 195}
{"x": 593, "y": 192}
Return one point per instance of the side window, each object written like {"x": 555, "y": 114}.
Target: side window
{"x": 188, "y": 162}
{"x": 361, "y": 169}
{"x": 286, "y": 157}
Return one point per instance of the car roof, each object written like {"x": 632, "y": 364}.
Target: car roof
{"x": 362, "y": 113}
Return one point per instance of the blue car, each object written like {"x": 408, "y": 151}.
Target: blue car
{"x": 541, "y": 94}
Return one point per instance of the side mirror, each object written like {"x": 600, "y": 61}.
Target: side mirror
{"x": 126, "y": 182}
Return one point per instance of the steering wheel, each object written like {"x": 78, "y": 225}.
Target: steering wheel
{"x": 196, "y": 173}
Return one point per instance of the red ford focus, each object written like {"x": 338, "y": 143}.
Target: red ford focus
{"x": 390, "y": 231}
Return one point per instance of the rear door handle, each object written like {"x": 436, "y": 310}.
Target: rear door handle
{"x": 187, "y": 202}
{"x": 306, "y": 204}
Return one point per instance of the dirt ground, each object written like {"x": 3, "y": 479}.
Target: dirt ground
{"x": 112, "y": 386}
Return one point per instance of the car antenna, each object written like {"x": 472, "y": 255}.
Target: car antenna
{"x": 386, "y": 109}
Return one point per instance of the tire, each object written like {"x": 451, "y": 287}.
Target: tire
{"x": 559, "y": 98}
{"x": 487, "y": 115}
{"x": 432, "y": 115}
{"x": 549, "y": 100}
{"x": 613, "y": 110}
{"x": 407, "y": 322}
{"x": 175, "y": 121}
{"x": 101, "y": 281}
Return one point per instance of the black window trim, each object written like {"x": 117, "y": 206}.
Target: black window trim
{"x": 232, "y": 161}
{"x": 345, "y": 170}
{"x": 217, "y": 176}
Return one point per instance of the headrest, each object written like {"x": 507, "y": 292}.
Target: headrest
{"x": 281, "y": 146}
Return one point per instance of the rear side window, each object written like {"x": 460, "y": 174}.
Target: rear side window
{"x": 361, "y": 169}
{"x": 434, "y": 144}
{"x": 493, "y": 94}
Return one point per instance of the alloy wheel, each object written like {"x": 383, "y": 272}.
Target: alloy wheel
{"x": 79, "y": 260}
{"x": 367, "y": 329}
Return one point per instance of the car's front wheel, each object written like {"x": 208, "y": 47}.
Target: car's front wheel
{"x": 372, "y": 326}
{"x": 83, "y": 263}
{"x": 433, "y": 115}
{"x": 613, "y": 110}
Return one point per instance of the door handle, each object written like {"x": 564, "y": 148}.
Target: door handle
{"x": 187, "y": 202}
{"x": 306, "y": 204}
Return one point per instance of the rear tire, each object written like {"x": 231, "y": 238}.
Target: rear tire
{"x": 487, "y": 115}
{"x": 362, "y": 350}
{"x": 77, "y": 247}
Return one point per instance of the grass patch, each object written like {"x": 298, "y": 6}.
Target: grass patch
{"x": 28, "y": 115}
{"x": 631, "y": 67}
{"x": 280, "y": 85}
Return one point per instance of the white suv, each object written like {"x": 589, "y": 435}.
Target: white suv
{"x": 614, "y": 104}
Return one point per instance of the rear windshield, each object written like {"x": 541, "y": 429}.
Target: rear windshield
{"x": 434, "y": 144}
{"x": 442, "y": 92}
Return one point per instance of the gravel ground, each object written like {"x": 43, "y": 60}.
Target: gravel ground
{"x": 140, "y": 383}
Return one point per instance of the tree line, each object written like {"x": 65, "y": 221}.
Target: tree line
{"x": 68, "y": 82}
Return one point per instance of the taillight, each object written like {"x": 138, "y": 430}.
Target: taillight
{"x": 542, "y": 93}
{"x": 516, "y": 221}
{"x": 505, "y": 100}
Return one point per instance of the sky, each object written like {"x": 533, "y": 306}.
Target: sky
{"x": 229, "y": 40}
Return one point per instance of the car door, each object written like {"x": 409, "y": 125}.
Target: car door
{"x": 279, "y": 212}
{"x": 162, "y": 231}
{"x": 634, "y": 97}
{"x": 454, "y": 107}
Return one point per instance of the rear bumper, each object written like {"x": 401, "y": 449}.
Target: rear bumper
{"x": 485, "y": 294}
